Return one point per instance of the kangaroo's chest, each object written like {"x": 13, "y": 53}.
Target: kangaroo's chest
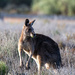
{"x": 25, "y": 45}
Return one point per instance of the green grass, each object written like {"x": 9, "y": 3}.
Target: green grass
{"x": 3, "y": 68}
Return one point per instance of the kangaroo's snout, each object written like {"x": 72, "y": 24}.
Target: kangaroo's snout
{"x": 32, "y": 34}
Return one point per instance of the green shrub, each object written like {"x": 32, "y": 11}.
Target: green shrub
{"x": 64, "y": 7}
{"x": 3, "y": 68}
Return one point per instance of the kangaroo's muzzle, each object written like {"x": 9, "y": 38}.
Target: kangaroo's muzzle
{"x": 32, "y": 35}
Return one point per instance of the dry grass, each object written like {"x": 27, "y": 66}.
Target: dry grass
{"x": 63, "y": 35}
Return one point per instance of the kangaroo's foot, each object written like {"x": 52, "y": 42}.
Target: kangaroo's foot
{"x": 27, "y": 66}
{"x": 21, "y": 65}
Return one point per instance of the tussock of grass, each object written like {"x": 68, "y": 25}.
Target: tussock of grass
{"x": 3, "y": 68}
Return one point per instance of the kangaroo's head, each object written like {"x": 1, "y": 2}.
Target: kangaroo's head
{"x": 28, "y": 30}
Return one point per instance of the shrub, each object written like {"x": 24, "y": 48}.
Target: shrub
{"x": 3, "y": 68}
{"x": 64, "y": 7}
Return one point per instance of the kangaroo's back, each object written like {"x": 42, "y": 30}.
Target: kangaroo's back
{"x": 47, "y": 49}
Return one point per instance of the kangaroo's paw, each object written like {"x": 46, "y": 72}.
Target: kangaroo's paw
{"x": 22, "y": 65}
{"x": 27, "y": 66}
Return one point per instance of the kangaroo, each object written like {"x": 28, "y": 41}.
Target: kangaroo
{"x": 41, "y": 48}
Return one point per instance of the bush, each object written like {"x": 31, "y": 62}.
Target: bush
{"x": 3, "y": 68}
{"x": 3, "y": 3}
{"x": 64, "y": 7}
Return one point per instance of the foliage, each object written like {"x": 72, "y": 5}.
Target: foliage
{"x": 19, "y": 2}
{"x": 65, "y": 7}
{"x": 3, "y": 3}
{"x": 3, "y": 68}
{"x": 59, "y": 7}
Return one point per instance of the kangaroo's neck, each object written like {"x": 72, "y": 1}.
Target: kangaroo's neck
{"x": 28, "y": 38}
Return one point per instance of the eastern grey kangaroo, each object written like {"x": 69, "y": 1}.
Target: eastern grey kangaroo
{"x": 41, "y": 48}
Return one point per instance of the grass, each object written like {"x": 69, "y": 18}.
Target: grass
{"x": 9, "y": 51}
{"x": 3, "y": 68}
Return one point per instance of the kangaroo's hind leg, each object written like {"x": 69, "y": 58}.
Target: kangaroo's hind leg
{"x": 47, "y": 65}
{"x": 39, "y": 64}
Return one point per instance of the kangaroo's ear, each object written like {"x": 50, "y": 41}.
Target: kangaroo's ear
{"x": 31, "y": 23}
{"x": 27, "y": 22}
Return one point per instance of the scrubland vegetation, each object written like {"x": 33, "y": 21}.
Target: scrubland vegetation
{"x": 63, "y": 34}
{"x": 64, "y": 7}
{"x": 46, "y": 7}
